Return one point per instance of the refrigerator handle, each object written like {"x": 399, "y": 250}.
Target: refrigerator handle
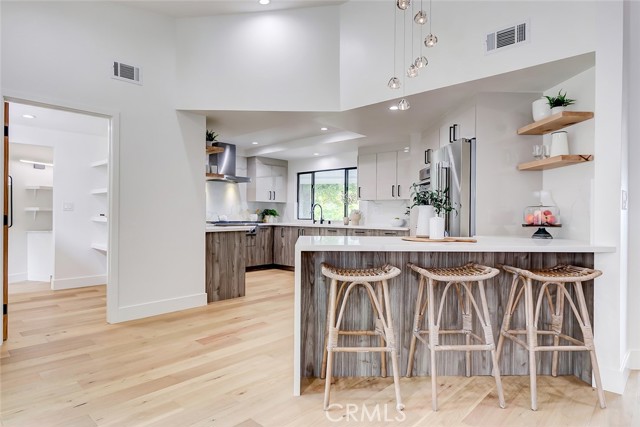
{"x": 450, "y": 134}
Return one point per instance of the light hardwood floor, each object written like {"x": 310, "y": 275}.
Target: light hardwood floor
{"x": 230, "y": 364}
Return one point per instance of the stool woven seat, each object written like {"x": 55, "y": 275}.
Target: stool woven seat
{"x": 560, "y": 276}
{"x": 461, "y": 279}
{"x": 380, "y": 303}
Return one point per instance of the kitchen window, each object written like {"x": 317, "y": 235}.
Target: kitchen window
{"x": 336, "y": 190}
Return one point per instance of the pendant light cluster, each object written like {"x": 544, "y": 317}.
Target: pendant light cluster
{"x": 420, "y": 18}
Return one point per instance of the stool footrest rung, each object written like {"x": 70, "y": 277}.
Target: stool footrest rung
{"x": 370, "y": 333}
{"x": 511, "y": 334}
{"x": 360, "y": 349}
{"x": 462, "y": 347}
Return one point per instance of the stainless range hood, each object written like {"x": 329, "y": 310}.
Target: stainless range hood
{"x": 225, "y": 163}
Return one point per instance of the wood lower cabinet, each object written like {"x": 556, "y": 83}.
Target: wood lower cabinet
{"x": 389, "y": 233}
{"x": 333, "y": 231}
{"x": 259, "y": 247}
{"x": 225, "y": 265}
{"x": 359, "y": 232}
{"x": 284, "y": 242}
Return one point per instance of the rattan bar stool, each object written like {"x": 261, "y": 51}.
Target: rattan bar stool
{"x": 558, "y": 276}
{"x": 460, "y": 279}
{"x": 379, "y": 298}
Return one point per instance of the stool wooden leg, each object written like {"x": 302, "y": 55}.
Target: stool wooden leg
{"x": 433, "y": 340}
{"x": 391, "y": 342}
{"x": 532, "y": 341}
{"x": 466, "y": 325}
{"x": 508, "y": 313}
{"x": 323, "y": 368}
{"x": 556, "y": 324}
{"x": 383, "y": 355}
{"x": 488, "y": 338}
{"x": 330, "y": 340}
{"x": 587, "y": 334}
{"x": 417, "y": 323}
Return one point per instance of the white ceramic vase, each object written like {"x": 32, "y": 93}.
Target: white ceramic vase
{"x": 556, "y": 110}
{"x": 436, "y": 228}
{"x": 559, "y": 144}
{"x": 540, "y": 109}
{"x": 425, "y": 213}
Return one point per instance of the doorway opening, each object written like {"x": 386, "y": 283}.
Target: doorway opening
{"x": 58, "y": 163}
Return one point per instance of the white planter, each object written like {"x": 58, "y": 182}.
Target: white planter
{"x": 436, "y": 227}
{"x": 540, "y": 109}
{"x": 269, "y": 219}
{"x": 424, "y": 214}
{"x": 559, "y": 144}
{"x": 556, "y": 110}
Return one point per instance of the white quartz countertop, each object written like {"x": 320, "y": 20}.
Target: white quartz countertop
{"x": 218, "y": 229}
{"x": 484, "y": 244}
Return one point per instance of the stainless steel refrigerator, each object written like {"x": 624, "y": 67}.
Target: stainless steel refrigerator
{"x": 454, "y": 167}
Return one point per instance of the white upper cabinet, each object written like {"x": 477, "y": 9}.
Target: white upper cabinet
{"x": 384, "y": 176}
{"x": 459, "y": 124}
{"x": 268, "y": 180}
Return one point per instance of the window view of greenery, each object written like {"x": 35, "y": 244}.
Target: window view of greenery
{"x": 334, "y": 190}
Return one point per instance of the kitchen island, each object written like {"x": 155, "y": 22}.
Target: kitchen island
{"x": 311, "y": 290}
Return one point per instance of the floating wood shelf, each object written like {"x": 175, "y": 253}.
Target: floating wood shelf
{"x": 555, "y": 162}
{"x": 215, "y": 150}
{"x": 213, "y": 176}
{"x": 555, "y": 122}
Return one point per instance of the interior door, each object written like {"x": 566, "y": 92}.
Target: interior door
{"x": 5, "y": 227}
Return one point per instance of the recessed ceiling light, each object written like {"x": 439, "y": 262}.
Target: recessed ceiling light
{"x": 393, "y": 108}
{"x": 255, "y": 142}
{"x": 31, "y": 162}
{"x": 265, "y": 2}
{"x": 406, "y": 148}
{"x": 324, "y": 128}
{"x": 316, "y": 154}
{"x": 28, "y": 116}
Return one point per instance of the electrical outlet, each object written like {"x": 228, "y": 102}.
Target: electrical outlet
{"x": 67, "y": 206}
{"x": 625, "y": 200}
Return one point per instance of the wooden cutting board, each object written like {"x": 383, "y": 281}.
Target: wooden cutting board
{"x": 446, "y": 239}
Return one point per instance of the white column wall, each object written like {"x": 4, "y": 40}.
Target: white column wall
{"x": 161, "y": 203}
{"x": 634, "y": 182}
{"x": 610, "y": 222}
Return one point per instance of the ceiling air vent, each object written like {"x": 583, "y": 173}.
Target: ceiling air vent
{"x": 127, "y": 73}
{"x": 507, "y": 37}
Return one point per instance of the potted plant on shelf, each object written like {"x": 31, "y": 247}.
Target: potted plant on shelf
{"x": 269, "y": 215}
{"x": 422, "y": 198}
{"x": 560, "y": 102}
{"x": 442, "y": 206}
{"x": 211, "y": 137}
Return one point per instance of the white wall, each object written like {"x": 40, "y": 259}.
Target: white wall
{"x": 281, "y": 60}
{"x": 459, "y": 56}
{"x": 25, "y": 175}
{"x": 571, "y": 186}
{"x": 633, "y": 113}
{"x": 161, "y": 204}
{"x": 76, "y": 264}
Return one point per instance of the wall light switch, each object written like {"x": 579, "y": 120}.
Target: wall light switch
{"x": 67, "y": 206}
{"x": 625, "y": 200}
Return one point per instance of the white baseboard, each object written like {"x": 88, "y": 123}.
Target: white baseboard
{"x": 78, "y": 282}
{"x": 139, "y": 311}
{"x": 633, "y": 359}
{"x": 18, "y": 277}
{"x": 614, "y": 380}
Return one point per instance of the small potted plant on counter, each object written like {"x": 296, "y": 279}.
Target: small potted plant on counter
{"x": 269, "y": 215}
{"x": 421, "y": 197}
{"x": 560, "y": 102}
{"x": 441, "y": 206}
{"x": 355, "y": 216}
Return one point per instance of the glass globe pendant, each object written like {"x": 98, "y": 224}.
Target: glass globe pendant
{"x": 394, "y": 83}
{"x": 421, "y": 62}
{"x": 412, "y": 71}
{"x": 430, "y": 40}
{"x": 403, "y": 4}
{"x": 420, "y": 18}
{"x": 403, "y": 105}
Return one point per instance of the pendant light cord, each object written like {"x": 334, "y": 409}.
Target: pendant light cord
{"x": 395, "y": 35}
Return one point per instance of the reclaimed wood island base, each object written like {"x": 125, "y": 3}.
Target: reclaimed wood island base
{"x": 312, "y": 288}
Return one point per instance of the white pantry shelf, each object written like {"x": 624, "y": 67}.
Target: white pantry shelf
{"x": 99, "y": 219}
{"x": 35, "y": 210}
{"x": 38, "y": 187}
{"x": 99, "y": 191}
{"x": 102, "y": 247}
{"x": 99, "y": 163}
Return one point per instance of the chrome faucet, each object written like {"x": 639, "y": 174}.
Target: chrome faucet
{"x": 313, "y": 213}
